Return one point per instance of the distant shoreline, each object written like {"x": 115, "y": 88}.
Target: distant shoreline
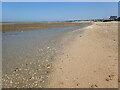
{"x": 19, "y": 26}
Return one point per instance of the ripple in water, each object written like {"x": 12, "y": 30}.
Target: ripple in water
{"x": 28, "y": 56}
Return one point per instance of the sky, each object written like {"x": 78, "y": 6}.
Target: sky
{"x": 60, "y": 0}
{"x": 57, "y": 11}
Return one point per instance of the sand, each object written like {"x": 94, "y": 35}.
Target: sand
{"x": 90, "y": 60}
{"x": 21, "y": 26}
{"x": 32, "y": 53}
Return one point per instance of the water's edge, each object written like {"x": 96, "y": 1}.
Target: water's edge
{"x": 28, "y": 55}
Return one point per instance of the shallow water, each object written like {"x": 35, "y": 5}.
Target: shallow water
{"x": 28, "y": 55}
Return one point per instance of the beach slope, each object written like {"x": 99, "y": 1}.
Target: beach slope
{"x": 90, "y": 61}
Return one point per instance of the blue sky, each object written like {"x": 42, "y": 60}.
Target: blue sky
{"x": 55, "y": 11}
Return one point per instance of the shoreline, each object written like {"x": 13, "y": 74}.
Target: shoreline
{"x": 90, "y": 60}
{"x": 32, "y": 62}
{"x": 21, "y": 26}
{"x": 87, "y": 58}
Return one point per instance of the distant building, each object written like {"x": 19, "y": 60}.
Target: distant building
{"x": 118, "y": 19}
{"x": 113, "y": 17}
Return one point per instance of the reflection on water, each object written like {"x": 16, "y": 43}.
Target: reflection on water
{"x": 28, "y": 55}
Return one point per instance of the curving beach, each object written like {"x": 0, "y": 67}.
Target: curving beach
{"x": 83, "y": 55}
{"x": 68, "y": 44}
{"x": 28, "y": 55}
{"x": 90, "y": 60}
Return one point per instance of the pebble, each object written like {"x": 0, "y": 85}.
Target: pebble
{"x": 109, "y": 56}
{"x": 17, "y": 69}
{"x": 46, "y": 60}
{"x": 110, "y": 77}
{"x": 48, "y": 65}
{"x": 11, "y": 82}
{"x": 47, "y": 72}
{"x": 93, "y": 86}
{"x": 119, "y": 80}
{"x": 29, "y": 74}
{"x": 32, "y": 77}
{"x": 60, "y": 68}
{"x": 107, "y": 79}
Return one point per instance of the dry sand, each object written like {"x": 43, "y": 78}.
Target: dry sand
{"x": 90, "y": 61}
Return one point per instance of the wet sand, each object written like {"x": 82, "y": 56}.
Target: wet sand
{"x": 28, "y": 55}
{"x": 90, "y": 60}
{"x": 79, "y": 58}
{"x": 21, "y": 26}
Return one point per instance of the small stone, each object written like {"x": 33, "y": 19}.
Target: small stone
{"x": 92, "y": 86}
{"x": 107, "y": 79}
{"x": 119, "y": 80}
{"x": 17, "y": 69}
{"x": 39, "y": 65}
{"x": 109, "y": 56}
{"x": 47, "y": 71}
{"x": 46, "y": 60}
{"x": 48, "y": 65}
{"x": 11, "y": 82}
{"x": 32, "y": 78}
{"x": 88, "y": 83}
{"x": 96, "y": 85}
{"x": 60, "y": 68}
{"x": 111, "y": 77}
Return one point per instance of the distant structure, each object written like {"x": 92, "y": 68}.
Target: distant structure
{"x": 118, "y": 19}
{"x": 113, "y": 17}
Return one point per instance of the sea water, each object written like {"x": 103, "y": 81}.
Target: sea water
{"x": 28, "y": 55}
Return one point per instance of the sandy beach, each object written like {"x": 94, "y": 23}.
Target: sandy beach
{"x": 22, "y": 26}
{"x": 80, "y": 56}
{"x": 90, "y": 60}
{"x": 33, "y": 51}
{"x": 60, "y": 45}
